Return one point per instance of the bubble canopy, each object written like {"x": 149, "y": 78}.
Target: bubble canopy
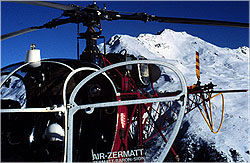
{"x": 90, "y": 107}
{"x": 44, "y": 82}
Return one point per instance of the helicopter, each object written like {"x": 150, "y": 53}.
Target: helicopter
{"x": 100, "y": 106}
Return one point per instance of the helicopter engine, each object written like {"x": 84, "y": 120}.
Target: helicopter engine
{"x": 143, "y": 74}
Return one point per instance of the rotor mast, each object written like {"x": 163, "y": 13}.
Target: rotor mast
{"x": 91, "y": 53}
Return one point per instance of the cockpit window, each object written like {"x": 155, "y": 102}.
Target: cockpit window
{"x": 12, "y": 91}
{"x": 33, "y": 86}
{"x": 11, "y": 68}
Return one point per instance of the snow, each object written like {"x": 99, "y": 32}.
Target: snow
{"x": 227, "y": 68}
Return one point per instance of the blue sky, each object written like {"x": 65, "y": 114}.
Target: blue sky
{"x": 61, "y": 42}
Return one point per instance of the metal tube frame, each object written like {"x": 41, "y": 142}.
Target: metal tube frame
{"x": 74, "y": 107}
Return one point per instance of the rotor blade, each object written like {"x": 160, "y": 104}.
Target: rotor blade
{"x": 198, "y": 21}
{"x": 197, "y": 66}
{"x": 145, "y": 17}
{"x": 48, "y": 4}
{"x": 229, "y": 91}
{"x": 17, "y": 33}
{"x": 217, "y": 91}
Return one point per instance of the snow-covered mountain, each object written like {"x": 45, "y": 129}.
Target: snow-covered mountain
{"x": 227, "y": 68}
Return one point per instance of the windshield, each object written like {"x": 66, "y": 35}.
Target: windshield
{"x": 33, "y": 86}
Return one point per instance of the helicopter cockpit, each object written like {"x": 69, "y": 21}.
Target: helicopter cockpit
{"x": 33, "y": 128}
{"x": 50, "y": 106}
{"x": 27, "y": 136}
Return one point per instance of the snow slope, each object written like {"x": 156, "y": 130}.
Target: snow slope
{"x": 227, "y": 68}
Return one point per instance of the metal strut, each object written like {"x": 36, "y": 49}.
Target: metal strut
{"x": 160, "y": 131}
